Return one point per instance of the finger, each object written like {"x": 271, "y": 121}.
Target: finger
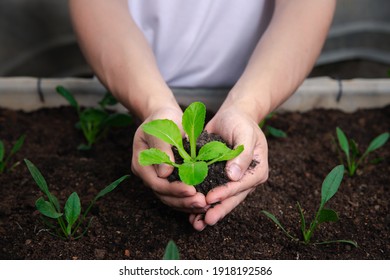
{"x": 161, "y": 185}
{"x": 219, "y": 211}
{"x": 143, "y": 141}
{"x": 192, "y": 204}
{"x": 254, "y": 142}
{"x": 197, "y": 221}
{"x": 253, "y": 177}
{"x": 149, "y": 173}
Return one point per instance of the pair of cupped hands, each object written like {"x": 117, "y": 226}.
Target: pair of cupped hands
{"x": 236, "y": 127}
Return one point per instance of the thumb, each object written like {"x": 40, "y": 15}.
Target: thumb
{"x": 235, "y": 168}
{"x": 163, "y": 170}
{"x": 234, "y": 171}
{"x": 143, "y": 142}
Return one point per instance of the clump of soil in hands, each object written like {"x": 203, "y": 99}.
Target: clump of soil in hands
{"x": 217, "y": 171}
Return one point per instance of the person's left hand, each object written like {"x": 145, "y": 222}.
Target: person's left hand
{"x": 236, "y": 127}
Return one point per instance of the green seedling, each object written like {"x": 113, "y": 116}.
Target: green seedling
{"x": 4, "y": 160}
{"x": 171, "y": 251}
{"x": 329, "y": 188}
{"x": 270, "y": 130}
{"x": 70, "y": 219}
{"x": 95, "y": 122}
{"x": 352, "y": 154}
{"x": 194, "y": 168}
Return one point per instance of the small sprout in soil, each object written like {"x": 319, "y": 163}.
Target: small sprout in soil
{"x": 171, "y": 251}
{"x": 70, "y": 220}
{"x": 194, "y": 168}
{"x": 270, "y": 130}
{"x": 95, "y": 122}
{"x": 4, "y": 160}
{"x": 352, "y": 154}
{"x": 329, "y": 188}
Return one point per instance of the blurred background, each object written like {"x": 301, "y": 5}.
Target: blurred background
{"x": 36, "y": 39}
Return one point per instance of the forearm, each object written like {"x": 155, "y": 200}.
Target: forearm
{"x": 284, "y": 56}
{"x": 120, "y": 55}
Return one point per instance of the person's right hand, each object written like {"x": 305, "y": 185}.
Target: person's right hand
{"x": 174, "y": 194}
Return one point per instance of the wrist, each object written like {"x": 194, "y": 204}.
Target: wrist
{"x": 255, "y": 103}
{"x": 158, "y": 102}
{"x": 146, "y": 100}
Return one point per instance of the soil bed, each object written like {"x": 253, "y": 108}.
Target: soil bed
{"x": 131, "y": 223}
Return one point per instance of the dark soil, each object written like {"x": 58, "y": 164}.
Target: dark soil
{"x": 216, "y": 175}
{"x": 131, "y": 223}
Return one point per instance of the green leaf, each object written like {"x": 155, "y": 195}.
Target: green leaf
{"x": 278, "y": 133}
{"x": 68, "y": 96}
{"x": 153, "y": 156}
{"x": 276, "y": 221}
{"x": 46, "y": 208}
{"x": 378, "y": 142}
{"x": 262, "y": 123}
{"x": 93, "y": 116}
{"x": 72, "y": 210}
{"x": 270, "y": 116}
{"x": 228, "y": 155}
{"x": 110, "y": 187}
{"x": 118, "y": 120}
{"x": 38, "y": 178}
{"x": 103, "y": 192}
{"x": 232, "y": 153}
{"x": 108, "y": 100}
{"x": 2, "y": 151}
{"x": 193, "y": 173}
{"x": 193, "y": 123}
{"x": 55, "y": 202}
{"x": 212, "y": 150}
{"x": 354, "y": 149}
{"x": 331, "y": 184}
{"x": 167, "y": 131}
{"x": 267, "y": 117}
{"x": 171, "y": 251}
{"x": 343, "y": 141}
{"x": 327, "y": 215}
{"x": 18, "y": 145}
{"x": 41, "y": 182}
{"x": 92, "y": 121}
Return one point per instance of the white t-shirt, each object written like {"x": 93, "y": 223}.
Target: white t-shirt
{"x": 201, "y": 43}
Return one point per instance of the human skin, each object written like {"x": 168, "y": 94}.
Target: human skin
{"x": 123, "y": 61}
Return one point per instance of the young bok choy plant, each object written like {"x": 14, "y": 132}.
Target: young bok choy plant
{"x": 329, "y": 188}
{"x": 4, "y": 159}
{"x": 69, "y": 219}
{"x": 353, "y": 157}
{"x": 95, "y": 122}
{"x": 194, "y": 168}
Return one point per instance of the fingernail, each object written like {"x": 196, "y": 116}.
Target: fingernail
{"x": 196, "y": 205}
{"x": 234, "y": 172}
